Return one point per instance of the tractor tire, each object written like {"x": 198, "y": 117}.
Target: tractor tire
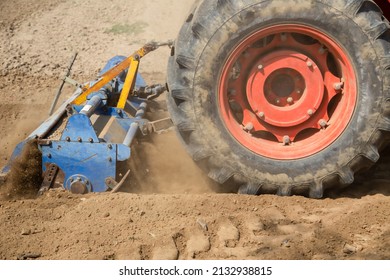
{"x": 282, "y": 97}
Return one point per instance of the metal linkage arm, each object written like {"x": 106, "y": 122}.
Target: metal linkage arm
{"x": 132, "y": 62}
{"x": 129, "y": 82}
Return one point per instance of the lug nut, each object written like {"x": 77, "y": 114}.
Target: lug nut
{"x": 309, "y": 64}
{"x": 310, "y": 112}
{"x": 286, "y": 140}
{"x": 277, "y": 101}
{"x": 338, "y": 86}
{"x": 322, "y": 123}
{"x": 261, "y": 115}
{"x": 290, "y": 100}
{"x": 249, "y": 126}
{"x": 260, "y": 67}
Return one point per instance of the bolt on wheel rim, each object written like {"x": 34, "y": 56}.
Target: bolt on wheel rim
{"x": 287, "y": 91}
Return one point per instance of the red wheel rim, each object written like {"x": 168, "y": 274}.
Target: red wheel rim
{"x": 287, "y": 92}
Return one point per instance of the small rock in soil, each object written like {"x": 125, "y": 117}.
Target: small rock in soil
{"x": 29, "y": 256}
{"x": 26, "y": 231}
{"x": 202, "y": 224}
{"x": 349, "y": 249}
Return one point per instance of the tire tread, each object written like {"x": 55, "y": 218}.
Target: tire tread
{"x": 202, "y": 22}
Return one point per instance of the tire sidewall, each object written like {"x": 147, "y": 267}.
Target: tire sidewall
{"x": 335, "y": 24}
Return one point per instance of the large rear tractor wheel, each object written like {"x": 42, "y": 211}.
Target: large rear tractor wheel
{"x": 286, "y": 97}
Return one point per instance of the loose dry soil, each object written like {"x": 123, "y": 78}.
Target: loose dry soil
{"x": 176, "y": 212}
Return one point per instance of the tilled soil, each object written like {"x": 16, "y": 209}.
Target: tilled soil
{"x": 171, "y": 210}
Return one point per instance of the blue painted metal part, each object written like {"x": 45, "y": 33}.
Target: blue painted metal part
{"x": 111, "y": 63}
{"x": 94, "y": 161}
{"x": 79, "y": 129}
{"x": 47, "y": 125}
{"x": 122, "y": 117}
{"x": 40, "y": 132}
{"x": 17, "y": 152}
{"x": 79, "y": 153}
{"x": 139, "y": 82}
{"x": 123, "y": 152}
{"x": 94, "y": 102}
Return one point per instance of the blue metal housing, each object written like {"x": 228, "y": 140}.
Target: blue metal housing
{"x": 95, "y": 139}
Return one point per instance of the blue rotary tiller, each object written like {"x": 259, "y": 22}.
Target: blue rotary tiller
{"x": 83, "y": 142}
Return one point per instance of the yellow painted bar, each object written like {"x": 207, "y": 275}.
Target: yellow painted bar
{"x": 129, "y": 83}
{"x": 106, "y": 77}
{"x": 113, "y": 72}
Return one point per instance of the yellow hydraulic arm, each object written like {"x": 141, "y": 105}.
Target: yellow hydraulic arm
{"x": 131, "y": 62}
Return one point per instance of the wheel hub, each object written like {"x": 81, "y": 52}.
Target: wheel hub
{"x": 287, "y": 91}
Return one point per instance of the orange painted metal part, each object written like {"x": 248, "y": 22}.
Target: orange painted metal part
{"x": 290, "y": 121}
{"x": 273, "y": 102}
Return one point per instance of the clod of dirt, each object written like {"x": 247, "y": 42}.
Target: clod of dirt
{"x": 26, "y": 231}
{"x": 229, "y": 235}
{"x": 198, "y": 243}
{"x": 25, "y": 177}
{"x": 109, "y": 257}
{"x": 202, "y": 224}
{"x": 167, "y": 250}
{"x": 349, "y": 249}
{"x": 29, "y": 256}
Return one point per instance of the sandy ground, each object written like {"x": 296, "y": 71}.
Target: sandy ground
{"x": 176, "y": 212}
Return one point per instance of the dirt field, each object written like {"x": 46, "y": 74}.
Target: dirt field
{"x": 176, "y": 213}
